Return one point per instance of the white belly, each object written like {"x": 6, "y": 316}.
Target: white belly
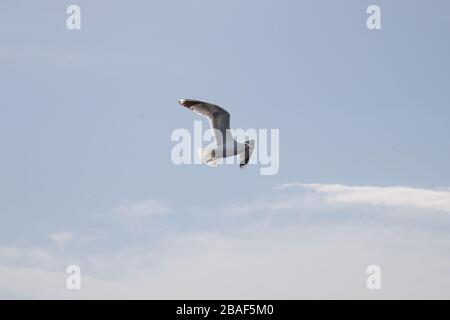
{"x": 228, "y": 151}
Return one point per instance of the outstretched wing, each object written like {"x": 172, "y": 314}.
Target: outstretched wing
{"x": 219, "y": 118}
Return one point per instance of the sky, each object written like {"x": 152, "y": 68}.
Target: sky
{"x": 86, "y": 175}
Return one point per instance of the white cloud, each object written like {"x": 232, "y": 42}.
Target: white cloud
{"x": 140, "y": 209}
{"x": 387, "y": 196}
{"x": 292, "y": 262}
{"x": 268, "y": 255}
{"x": 39, "y": 283}
{"x": 61, "y": 238}
{"x": 26, "y": 256}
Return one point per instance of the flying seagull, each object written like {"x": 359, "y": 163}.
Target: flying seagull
{"x": 226, "y": 145}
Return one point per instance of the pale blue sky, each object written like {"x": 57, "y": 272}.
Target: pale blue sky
{"x": 86, "y": 116}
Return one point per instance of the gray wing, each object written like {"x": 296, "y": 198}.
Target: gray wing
{"x": 219, "y": 118}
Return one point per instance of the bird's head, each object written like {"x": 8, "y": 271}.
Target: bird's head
{"x": 250, "y": 143}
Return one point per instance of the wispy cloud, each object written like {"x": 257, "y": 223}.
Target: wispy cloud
{"x": 26, "y": 256}
{"x": 64, "y": 237}
{"x": 61, "y": 238}
{"x": 140, "y": 209}
{"x": 386, "y": 196}
{"x": 296, "y": 262}
{"x": 304, "y": 244}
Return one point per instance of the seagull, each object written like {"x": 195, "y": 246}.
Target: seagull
{"x": 226, "y": 145}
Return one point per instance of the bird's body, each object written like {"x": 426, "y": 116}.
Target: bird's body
{"x": 226, "y": 145}
{"x": 209, "y": 156}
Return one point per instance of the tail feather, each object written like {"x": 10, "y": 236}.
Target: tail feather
{"x": 206, "y": 157}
